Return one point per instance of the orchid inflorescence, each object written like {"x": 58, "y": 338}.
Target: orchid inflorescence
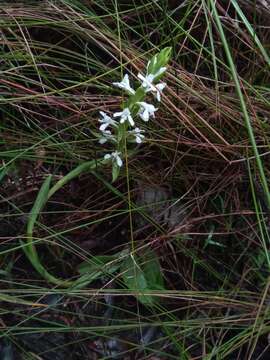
{"x": 121, "y": 127}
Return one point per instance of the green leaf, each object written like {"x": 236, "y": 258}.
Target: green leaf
{"x": 29, "y": 248}
{"x": 3, "y": 172}
{"x": 135, "y": 280}
{"x": 152, "y": 270}
{"x": 142, "y": 274}
{"x": 159, "y": 60}
{"x": 115, "y": 171}
{"x": 121, "y": 133}
{"x": 137, "y": 97}
{"x": 41, "y": 200}
{"x": 100, "y": 265}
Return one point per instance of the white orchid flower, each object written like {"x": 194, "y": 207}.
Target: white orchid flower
{"x": 125, "y": 85}
{"x": 125, "y": 115}
{"x": 138, "y": 135}
{"x": 107, "y": 136}
{"x": 146, "y": 110}
{"x": 114, "y": 156}
{"x": 147, "y": 83}
{"x": 149, "y": 78}
{"x": 106, "y": 121}
{"x": 159, "y": 88}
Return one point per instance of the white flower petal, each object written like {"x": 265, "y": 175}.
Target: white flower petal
{"x": 160, "y": 71}
{"x": 147, "y": 82}
{"x": 125, "y": 115}
{"x": 102, "y": 140}
{"x": 105, "y": 117}
{"x": 131, "y": 121}
{"x": 149, "y": 107}
{"x": 161, "y": 86}
{"x": 103, "y": 127}
{"x": 137, "y": 133}
{"x": 117, "y": 114}
{"x": 144, "y": 115}
{"x": 125, "y": 85}
{"x": 106, "y": 121}
{"x": 119, "y": 161}
{"x": 146, "y": 110}
{"x": 107, "y": 136}
{"x": 115, "y": 157}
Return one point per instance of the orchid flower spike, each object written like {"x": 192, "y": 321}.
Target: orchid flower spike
{"x": 146, "y": 110}
{"x": 106, "y": 121}
{"x": 125, "y": 85}
{"x": 115, "y": 157}
{"x": 120, "y": 127}
{"x": 125, "y": 115}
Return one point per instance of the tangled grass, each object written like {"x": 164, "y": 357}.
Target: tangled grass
{"x": 204, "y": 164}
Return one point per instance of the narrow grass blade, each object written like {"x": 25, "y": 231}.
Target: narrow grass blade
{"x": 242, "y": 102}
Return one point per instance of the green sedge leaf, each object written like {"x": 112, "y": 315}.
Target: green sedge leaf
{"x": 115, "y": 171}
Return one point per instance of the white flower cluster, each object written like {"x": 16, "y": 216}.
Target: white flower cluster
{"x": 121, "y": 125}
